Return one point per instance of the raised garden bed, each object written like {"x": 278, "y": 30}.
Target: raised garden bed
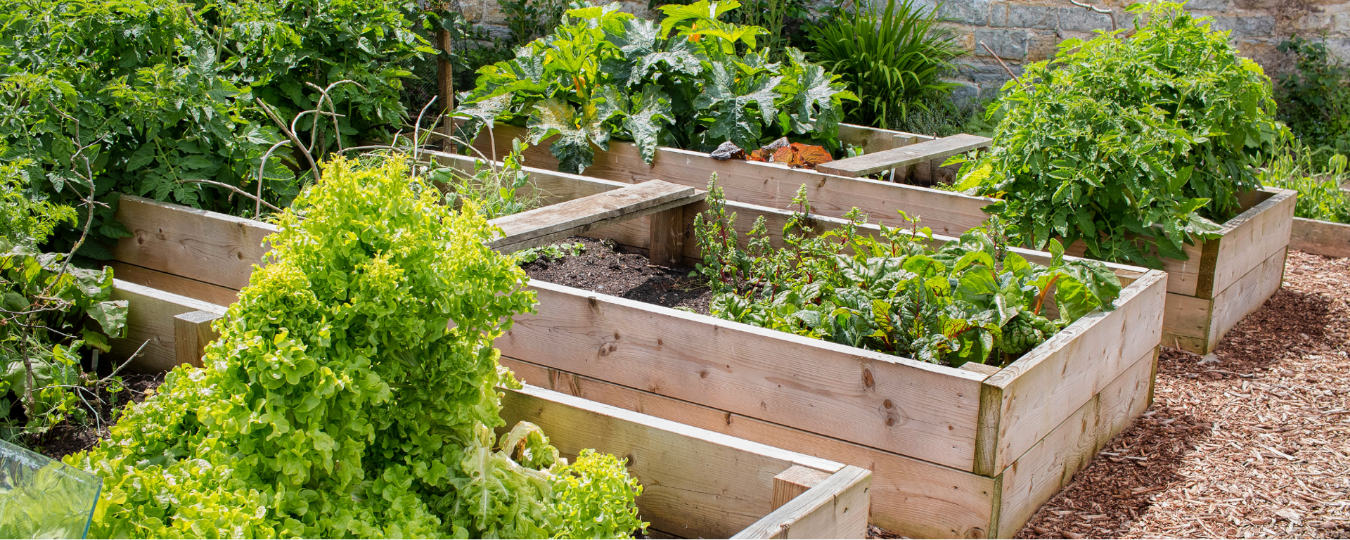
{"x": 696, "y": 483}
{"x": 960, "y": 452}
{"x": 1222, "y": 281}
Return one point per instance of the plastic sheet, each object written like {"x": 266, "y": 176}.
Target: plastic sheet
{"x": 44, "y": 498}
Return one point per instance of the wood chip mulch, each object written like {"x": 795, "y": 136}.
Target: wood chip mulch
{"x": 1250, "y": 442}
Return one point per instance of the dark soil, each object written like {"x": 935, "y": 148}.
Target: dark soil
{"x": 603, "y": 269}
{"x": 68, "y": 437}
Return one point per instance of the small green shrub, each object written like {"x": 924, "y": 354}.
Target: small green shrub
{"x": 352, "y": 392}
{"x": 1319, "y": 181}
{"x": 890, "y": 55}
{"x": 1135, "y": 145}
{"x": 1315, "y": 97}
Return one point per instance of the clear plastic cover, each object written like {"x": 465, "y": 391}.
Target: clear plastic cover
{"x": 44, "y": 498}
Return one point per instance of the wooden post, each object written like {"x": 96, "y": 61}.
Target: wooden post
{"x": 192, "y": 332}
{"x": 446, "y": 82}
{"x": 667, "y": 231}
{"x": 795, "y": 481}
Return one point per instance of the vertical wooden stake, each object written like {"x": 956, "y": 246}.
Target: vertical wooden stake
{"x": 667, "y": 237}
{"x": 793, "y": 482}
{"x": 446, "y": 82}
{"x": 192, "y": 332}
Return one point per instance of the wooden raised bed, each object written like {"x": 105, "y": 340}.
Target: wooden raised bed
{"x": 696, "y": 483}
{"x": 1320, "y": 237}
{"x": 958, "y": 452}
{"x": 1222, "y": 281}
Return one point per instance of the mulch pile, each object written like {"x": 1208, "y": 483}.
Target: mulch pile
{"x": 1252, "y": 441}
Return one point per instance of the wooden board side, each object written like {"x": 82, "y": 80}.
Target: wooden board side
{"x": 1245, "y": 295}
{"x": 207, "y": 246}
{"x": 1320, "y": 237}
{"x": 150, "y": 322}
{"x": 911, "y": 497}
{"x": 875, "y": 162}
{"x": 836, "y": 508}
{"x": 191, "y": 288}
{"x": 1251, "y": 238}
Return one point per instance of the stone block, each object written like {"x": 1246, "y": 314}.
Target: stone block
{"x": 1036, "y": 17}
{"x": 1246, "y": 26}
{"x": 1041, "y": 46}
{"x": 1080, "y": 19}
{"x": 972, "y": 12}
{"x": 1008, "y": 44}
{"x": 1207, "y": 5}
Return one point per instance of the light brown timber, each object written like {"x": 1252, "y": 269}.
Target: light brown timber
{"x": 927, "y": 151}
{"x": 192, "y": 333}
{"x": 1320, "y": 237}
{"x": 179, "y": 285}
{"x": 836, "y": 508}
{"x": 550, "y": 223}
{"x": 150, "y": 321}
{"x": 667, "y": 237}
{"x": 795, "y": 481}
{"x": 215, "y": 248}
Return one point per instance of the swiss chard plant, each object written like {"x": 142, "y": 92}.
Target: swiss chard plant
{"x": 971, "y": 300}
{"x": 1136, "y": 144}
{"x": 691, "y": 81}
{"x": 353, "y": 393}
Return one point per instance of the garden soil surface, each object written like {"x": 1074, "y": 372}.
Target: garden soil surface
{"x": 68, "y": 438}
{"x": 1252, "y": 441}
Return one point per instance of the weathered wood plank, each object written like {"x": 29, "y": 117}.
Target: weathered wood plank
{"x": 1246, "y": 295}
{"x": 1038, "y": 391}
{"x": 179, "y": 285}
{"x": 151, "y": 318}
{"x": 910, "y": 497}
{"x": 696, "y": 483}
{"x": 192, "y": 333}
{"x": 909, "y": 407}
{"x": 872, "y": 139}
{"x": 1251, "y": 238}
{"x": 836, "y": 508}
{"x": 667, "y": 237}
{"x": 207, "y": 246}
{"x": 1320, "y": 237}
{"x": 872, "y": 163}
{"x": 543, "y": 225}
{"x": 795, "y": 481}
{"x": 1050, "y": 465}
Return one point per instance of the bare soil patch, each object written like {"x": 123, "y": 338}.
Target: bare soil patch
{"x": 604, "y": 269}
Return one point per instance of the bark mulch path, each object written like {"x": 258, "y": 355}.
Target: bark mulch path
{"x": 1253, "y": 441}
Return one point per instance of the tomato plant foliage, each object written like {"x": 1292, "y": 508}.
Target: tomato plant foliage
{"x": 352, "y": 392}
{"x": 682, "y": 83}
{"x": 971, "y": 300}
{"x": 1135, "y": 144}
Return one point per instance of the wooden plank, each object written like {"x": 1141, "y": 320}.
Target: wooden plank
{"x": 1187, "y": 318}
{"x": 837, "y": 508}
{"x": 1048, "y": 466}
{"x": 179, "y": 285}
{"x": 910, "y": 497}
{"x": 218, "y": 249}
{"x": 151, "y": 318}
{"x": 872, "y": 163}
{"x": 1246, "y": 295}
{"x": 1251, "y": 238}
{"x": 1037, "y": 392}
{"x": 696, "y": 483}
{"x": 767, "y": 184}
{"x": 667, "y": 237}
{"x": 872, "y": 139}
{"x": 192, "y": 332}
{"x": 912, "y": 408}
{"x": 543, "y": 225}
{"x": 795, "y": 481}
{"x": 1320, "y": 237}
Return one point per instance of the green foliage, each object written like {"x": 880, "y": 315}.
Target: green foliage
{"x": 605, "y": 74}
{"x": 1134, "y": 145}
{"x": 1315, "y": 97}
{"x": 551, "y": 252}
{"x": 352, "y": 391}
{"x": 971, "y": 300}
{"x": 1320, "y": 181}
{"x": 531, "y": 19}
{"x": 596, "y": 498}
{"x": 492, "y": 188}
{"x": 891, "y": 55}
{"x": 150, "y": 96}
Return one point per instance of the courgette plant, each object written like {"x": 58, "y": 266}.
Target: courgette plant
{"x": 971, "y": 300}
{"x": 1136, "y": 144}
{"x": 691, "y": 81}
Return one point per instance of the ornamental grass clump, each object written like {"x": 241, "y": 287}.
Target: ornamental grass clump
{"x": 352, "y": 393}
{"x": 1136, "y": 144}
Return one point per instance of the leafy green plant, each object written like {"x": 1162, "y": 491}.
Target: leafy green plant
{"x": 1315, "y": 96}
{"x": 551, "y": 252}
{"x": 352, "y": 391}
{"x": 1318, "y": 180}
{"x": 971, "y": 300}
{"x": 493, "y": 188}
{"x": 890, "y": 55}
{"x": 531, "y": 19}
{"x": 605, "y": 74}
{"x": 1135, "y": 145}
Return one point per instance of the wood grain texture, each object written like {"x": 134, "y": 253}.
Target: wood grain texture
{"x": 1246, "y": 295}
{"x": 179, "y": 285}
{"x": 905, "y": 406}
{"x": 1320, "y": 237}
{"x": 910, "y": 497}
{"x": 1251, "y": 238}
{"x": 872, "y": 139}
{"x": 215, "y": 248}
{"x": 836, "y": 508}
{"x": 541, "y": 226}
{"x": 1050, "y": 465}
{"x": 150, "y": 321}
{"x": 795, "y": 481}
{"x": 1038, "y": 391}
{"x": 696, "y": 483}
{"x": 192, "y": 332}
{"x": 768, "y": 184}
{"x": 666, "y": 245}
{"x": 872, "y": 163}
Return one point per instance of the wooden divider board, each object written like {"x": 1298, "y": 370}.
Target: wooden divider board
{"x": 541, "y": 226}
{"x": 1320, "y": 237}
{"x": 875, "y": 162}
{"x": 215, "y": 248}
{"x": 150, "y": 321}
